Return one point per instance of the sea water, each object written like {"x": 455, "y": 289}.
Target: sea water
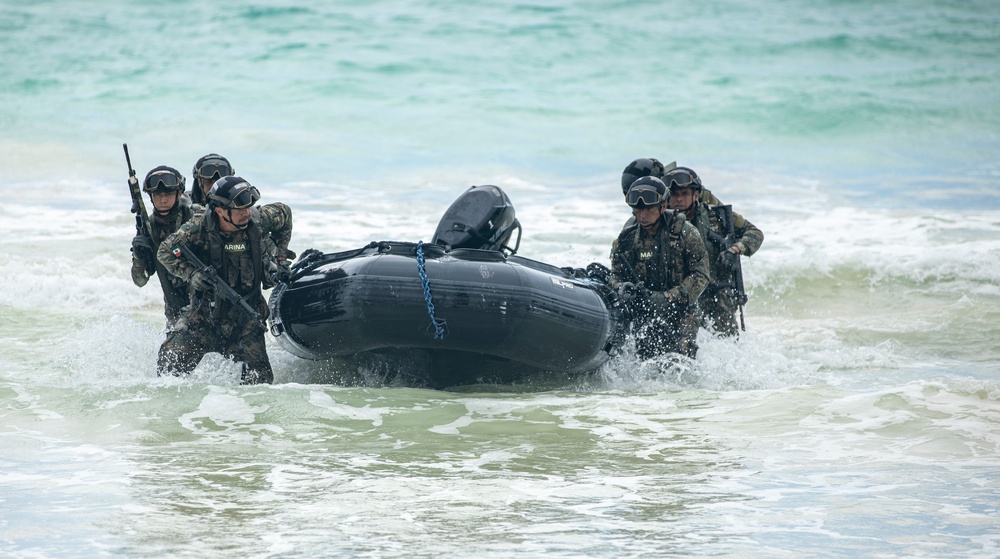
{"x": 857, "y": 416}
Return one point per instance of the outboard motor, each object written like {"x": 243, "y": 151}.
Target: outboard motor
{"x": 481, "y": 218}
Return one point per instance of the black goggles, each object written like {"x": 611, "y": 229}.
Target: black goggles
{"x": 163, "y": 181}
{"x": 244, "y": 198}
{"x": 214, "y": 170}
{"x": 681, "y": 179}
{"x": 643, "y": 195}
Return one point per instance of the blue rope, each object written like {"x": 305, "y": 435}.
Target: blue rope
{"x": 426, "y": 282}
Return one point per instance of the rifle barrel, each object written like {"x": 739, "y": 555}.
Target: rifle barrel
{"x": 142, "y": 224}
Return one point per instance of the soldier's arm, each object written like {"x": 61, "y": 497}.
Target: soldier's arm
{"x": 276, "y": 222}
{"x": 173, "y": 262}
{"x": 270, "y": 262}
{"x": 698, "y": 276}
{"x": 139, "y": 277}
{"x": 750, "y": 238}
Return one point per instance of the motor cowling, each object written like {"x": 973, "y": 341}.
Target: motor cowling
{"x": 483, "y": 217}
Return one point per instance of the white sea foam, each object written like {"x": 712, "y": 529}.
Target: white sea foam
{"x": 801, "y": 324}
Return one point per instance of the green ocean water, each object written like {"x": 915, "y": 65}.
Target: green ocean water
{"x": 856, "y": 417}
{"x": 901, "y": 92}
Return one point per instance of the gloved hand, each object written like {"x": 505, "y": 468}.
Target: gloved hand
{"x": 728, "y": 259}
{"x": 143, "y": 257}
{"x": 281, "y": 272}
{"x": 635, "y": 299}
{"x": 141, "y": 243}
{"x": 200, "y": 282}
{"x": 626, "y": 291}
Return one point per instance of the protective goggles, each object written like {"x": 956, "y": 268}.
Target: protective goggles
{"x": 643, "y": 195}
{"x": 681, "y": 179}
{"x": 213, "y": 170}
{"x": 164, "y": 180}
{"x": 243, "y": 197}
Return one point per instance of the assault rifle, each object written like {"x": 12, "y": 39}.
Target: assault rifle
{"x": 222, "y": 288}
{"x": 142, "y": 225}
{"x": 731, "y": 277}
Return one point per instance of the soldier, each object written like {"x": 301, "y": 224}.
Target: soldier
{"x": 240, "y": 243}
{"x": 659, "y": 267}
{"x": 720, "y": 299}
{"x": 165, "y": 186}
{"x": 208, "y": 169}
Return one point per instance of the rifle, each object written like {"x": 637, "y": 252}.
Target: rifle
{"x": 222, "y": 288}
{"x": 735, "y": 270}
{"x": 142, "y": 225}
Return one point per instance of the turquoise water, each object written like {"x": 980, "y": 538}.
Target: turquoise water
{"x": 358, "y": 91}
{"x": 857, "y": 417}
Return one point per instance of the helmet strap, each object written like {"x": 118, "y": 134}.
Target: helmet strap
{"x": 201, "y": 185}
{"x": 228, "y": 218}
{"x": 689, "y": 211}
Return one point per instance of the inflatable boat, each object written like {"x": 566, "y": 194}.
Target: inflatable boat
{"x": 465, "y": 306}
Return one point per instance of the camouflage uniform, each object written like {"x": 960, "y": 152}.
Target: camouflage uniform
{"x": 175, "y": 290}
{"x": 718, "y": 302}
{"x": 672, "y": 262}
{"x": 241, "y": 259}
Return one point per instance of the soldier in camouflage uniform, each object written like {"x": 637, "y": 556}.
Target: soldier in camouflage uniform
{"x": 208, "y": 169}
{"x": 165, "y": 186}
{"x": 241, "y": 242}
{"x": 659, "y": 267}
{"x": 719, "y": 300}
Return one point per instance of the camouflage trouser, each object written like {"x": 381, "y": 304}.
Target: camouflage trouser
{"x": 673, "y": 332}
{"x": 173, "y": 315}
{"x": 196, "y": 334}
{"x": 719, "y": 309}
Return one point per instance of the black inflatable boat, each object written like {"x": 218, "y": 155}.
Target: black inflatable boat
{"x": 467, "y": 307}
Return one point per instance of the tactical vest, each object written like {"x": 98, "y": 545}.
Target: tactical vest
{"x": 217, "y": 258}
{"x": 663, "y": 268}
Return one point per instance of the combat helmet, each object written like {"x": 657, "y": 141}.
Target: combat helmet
{"x": 232, "y": 193}
{"x": 646, "y": 192}
{"x": 163, "y": 179}
{"x": 644, "y": 167}
{"x": 212, "y": 167}
{"x": 682, "y": 177}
